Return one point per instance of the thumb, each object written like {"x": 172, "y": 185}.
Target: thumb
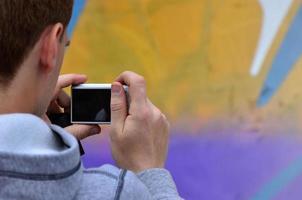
{"x": 83, "y": 131}
{"x": 118, "y": 107}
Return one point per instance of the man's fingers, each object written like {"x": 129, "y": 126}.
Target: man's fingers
{"x": 118, "y": 107}
{"x": 54, "y": 107}
{"x": 64, "y": 101}
{"x": 83, "y": 131}
{"x": 68, "y": 80}
{"x": 137, "y": 89}
{"x": 60, "y": 98}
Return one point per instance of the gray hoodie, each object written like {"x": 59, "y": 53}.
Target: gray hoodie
{"x": 38, "y": 161}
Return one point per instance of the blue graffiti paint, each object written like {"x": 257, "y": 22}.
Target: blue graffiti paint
{"x": 77, "y": 10}
{"x": 288, "y": 54}
{"x": 280, "y": 182}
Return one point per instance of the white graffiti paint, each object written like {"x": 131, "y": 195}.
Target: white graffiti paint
{"x": 274, "y": 12}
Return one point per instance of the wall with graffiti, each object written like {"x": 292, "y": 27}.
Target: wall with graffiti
{"x": 226, "y": 73}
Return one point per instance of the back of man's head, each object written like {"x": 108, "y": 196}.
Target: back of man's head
{"x": 21, "y": 24}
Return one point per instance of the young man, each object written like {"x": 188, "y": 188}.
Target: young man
{"x": 41, "y": 161}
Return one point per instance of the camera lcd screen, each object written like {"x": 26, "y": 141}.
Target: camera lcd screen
{"x": 91, "y": 106}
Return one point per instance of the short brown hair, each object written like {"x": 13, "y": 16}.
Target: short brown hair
{"x": 21, "y": 24}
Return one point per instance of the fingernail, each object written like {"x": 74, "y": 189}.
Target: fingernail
{"x": 95, "y": 131}
{"x": 115, "y": 89}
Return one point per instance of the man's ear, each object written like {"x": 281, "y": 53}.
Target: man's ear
{"x": 51, "y": 40}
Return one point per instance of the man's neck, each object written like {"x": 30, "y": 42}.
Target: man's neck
{"x": 19, "y": 95}
{"x": 14, "y": 101}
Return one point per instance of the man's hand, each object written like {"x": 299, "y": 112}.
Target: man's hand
{"x": 61, "y": 104}
{"x": 139, "y": 139}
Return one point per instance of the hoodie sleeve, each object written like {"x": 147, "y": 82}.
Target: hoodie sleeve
{"x": 109, "y": 182}
{"x": 159, "y": 183}
{"x": 153, "y": 184}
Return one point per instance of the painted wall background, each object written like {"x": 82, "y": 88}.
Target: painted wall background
{"x": 226, "y": 72}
